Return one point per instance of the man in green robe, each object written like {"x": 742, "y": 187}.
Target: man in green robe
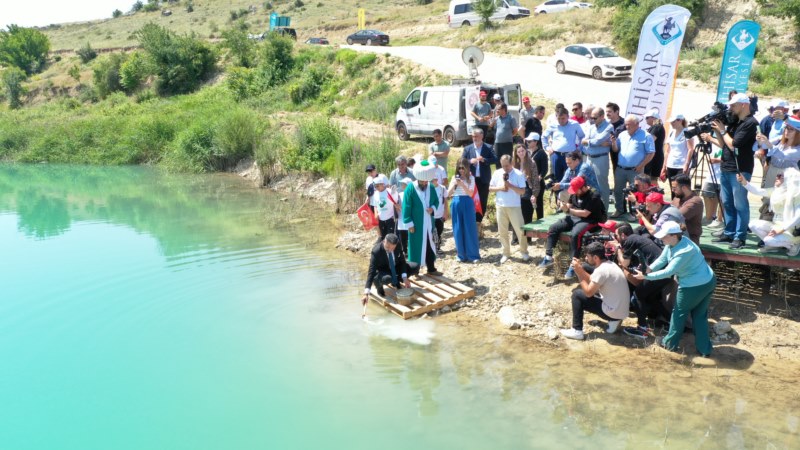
{"x": 419, "y": 202}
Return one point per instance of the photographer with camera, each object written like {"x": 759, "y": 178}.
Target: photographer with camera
{"x": 634, "y": 253}
{"x": 736, "y": 140}
{"x": 635, "y": 148}
{"x": 604, "y": 292}
{"x": 683, "y": 259}
{"x": 584, "y": 211}
{"x": 656, "y": 211}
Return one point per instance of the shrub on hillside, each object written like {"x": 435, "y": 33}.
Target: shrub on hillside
{"x": 116, "y": 13}
{"x": 485, "y": 9}
{"x": 192, "y": 150}
{"x": 181, "y": 62}
{"x": 242, "y": 82}
{"x": 134, "y": 71}
{"x": 24, "y": 48}
{"x": 314, "y": 142}
{"x": 86, "y": 53}
{"x": 106, "y": 74}
{"x": 12, "y": 78}
{"x": 237, "y": 136}
{"x": 308, "y": 87}
{"x": 137, "y": 6}
{"x": 241, "y": 48}
{"x": 786, "y": 9}
{"x": 275, "y": 59}
{"x": 75, "y": 72}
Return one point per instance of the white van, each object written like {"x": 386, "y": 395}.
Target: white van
{"x": 462, "y": 14}
{"x": 447, "y": 108}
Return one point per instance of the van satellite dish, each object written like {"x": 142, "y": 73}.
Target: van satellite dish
{"x": 472, "y": 57}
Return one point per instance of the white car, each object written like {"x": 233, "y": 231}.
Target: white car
{"x": 597, "y": 60}
{"x": 553, "y": 6}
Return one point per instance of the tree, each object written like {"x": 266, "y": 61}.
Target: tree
{"x": 275, "y": 60}
{"x": 135, "y": 71}
{"x": 137, "y": 6}
{"x": 24, "y": 48}
{"x": 106, "y": 74}
{"x": 75, "y": 72}
{"x": 86, "y": 53}
{"x": 785, "y": 9}
{"x": 485, "y": 9}
{"x": 12, "y": 83}
{"x": 241, "y": 47}
{"x": 181, "y": 62}
{"x": 116, "y": 13}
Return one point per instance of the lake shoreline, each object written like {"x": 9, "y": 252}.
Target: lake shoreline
{"x": 541, "y": 306}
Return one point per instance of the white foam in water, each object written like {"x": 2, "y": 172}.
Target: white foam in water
{"x": 415, "y": 331}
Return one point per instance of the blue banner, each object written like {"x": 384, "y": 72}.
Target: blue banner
{"x": 737, "y": 61}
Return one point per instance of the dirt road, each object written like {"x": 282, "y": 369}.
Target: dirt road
{"x": 538, "y": 76}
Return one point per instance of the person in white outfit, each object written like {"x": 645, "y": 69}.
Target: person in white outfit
{"x": 784, "y": 202}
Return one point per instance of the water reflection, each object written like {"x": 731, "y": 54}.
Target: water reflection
{"x": 41, "y": 216}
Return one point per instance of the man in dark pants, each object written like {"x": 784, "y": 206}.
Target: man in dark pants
{"x": 604, "y": 292}
{"x": 481, "y": 156}
{"x": 505, "y": 128}
{"x": 387, "y": 265}
{"x": 584, "y": 210}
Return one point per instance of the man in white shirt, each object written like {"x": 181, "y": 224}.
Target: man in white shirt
{"x": 604, "y": 292}
{"x": 508, "y": 184}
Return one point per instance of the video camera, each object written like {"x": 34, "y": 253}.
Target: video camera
{"x": 703, "y": 125}
{"x": 549, "y": 182}
{"x": 602, "y": 238}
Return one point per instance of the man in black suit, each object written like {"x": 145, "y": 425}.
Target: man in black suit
{"x": 387, "y": 265}
{"x": 481, "y": 157}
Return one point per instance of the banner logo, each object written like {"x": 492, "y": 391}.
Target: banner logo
{"x": 743, "y": 40}
{"x": 669, "y": 31}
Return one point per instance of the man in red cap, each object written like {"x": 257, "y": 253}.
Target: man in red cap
{"x": 658, "y": 211}
{"x": 584, "y": 210}
{"x": 526, "y": 112}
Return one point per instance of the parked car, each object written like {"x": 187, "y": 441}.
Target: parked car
{"x": 368, "y": 37}
{"x": 447, "y": 108}
{"x": 553, "y": 6}
{"x": 461, "y": 13}
{"x": 286, "y": 31}
{"x": 597, "y": 60}
{"x": 317, "y": 41}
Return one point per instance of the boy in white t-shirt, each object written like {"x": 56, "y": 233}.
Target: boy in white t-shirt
{"x": 440, "y": 214}
{"x": 383, "y": 205}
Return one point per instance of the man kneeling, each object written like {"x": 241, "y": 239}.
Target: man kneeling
{"x": 387, "y": 265}
{"x": 604, "y": 292}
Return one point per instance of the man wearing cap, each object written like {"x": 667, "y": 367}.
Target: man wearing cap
{"x": 635, "y": 148}
{"x": 480, "y": 156}
{"x": 658, "y": 212}
{"x": 539, "y": 157}
{"x": 737, "y": 158}
{"x": 527, "y": 110}
{"x": 482, "y": 113}
{"x": 508, "y": 184}
{"x": 597, "y": 145}
{"x": 689, "y": 204}
{"x": 505, "y": 127}
{"x": 656, "y": 129}
{"x": 584, "y": 211}
{"x": 383, "y": 206}
{"x": 419, "y": 203}
{"x": 401, "y": 171}
{"x": 561, "y": 139}
{"x": 439, "y": 149}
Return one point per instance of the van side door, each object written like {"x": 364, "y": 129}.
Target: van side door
{"x": 413, "y": 110}
{"x": 512, "y": 94}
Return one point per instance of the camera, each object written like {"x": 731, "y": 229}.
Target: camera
{"x": 719, "y": 112}
{"x": 505, "y": 177}
{"x": 627, "y": 191}
{"x": 549, "y": 182}
{"x": 642, "y": 208}
{"x": 589, "y": 238}
{"x": 458, "y": 176}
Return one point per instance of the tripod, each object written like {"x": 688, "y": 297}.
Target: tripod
{"x": 702, "y": 166}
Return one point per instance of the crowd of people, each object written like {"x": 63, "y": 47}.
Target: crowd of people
{"x": 639, "y": 241}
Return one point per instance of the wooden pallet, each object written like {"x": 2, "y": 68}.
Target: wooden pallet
{"x": 432, "y": 292}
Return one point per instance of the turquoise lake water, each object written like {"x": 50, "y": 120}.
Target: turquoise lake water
{"x": 142, "y": 310}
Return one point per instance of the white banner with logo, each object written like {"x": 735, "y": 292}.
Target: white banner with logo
{"x": 657, "y": 61}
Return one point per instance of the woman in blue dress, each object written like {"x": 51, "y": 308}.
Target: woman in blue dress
{"x": 462, "y": 210}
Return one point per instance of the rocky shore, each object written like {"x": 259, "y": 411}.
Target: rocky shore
{"x": 518, "y": 297}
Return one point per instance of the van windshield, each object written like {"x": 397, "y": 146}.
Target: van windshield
{"x": 604, "y": 52}
{"x": 513, "y": 3}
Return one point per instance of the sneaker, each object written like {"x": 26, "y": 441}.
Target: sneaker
{"x": 722, "y": 239}
{"x": 760, "y": 244}
{"x": 571, "y": 333}
{"x": 526, "y": 257}
{"x": 706, "y": 222}
{"x": 547, "y": 261}
{"x": 570, "y": 273}
{"x": 637, "y": 332}
{"x": 612, "y": 326}
{"x": 716, "y": 224}
{"x": 765, "y": 250}
{"x": 794, "y": 250}
{"x": 717, "y": 234}
{"x": 503, "y": 259}
{"x": 736, "y": 244}
{"x": 476, "y": 261}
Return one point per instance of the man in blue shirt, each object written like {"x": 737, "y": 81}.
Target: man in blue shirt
{"x": 635, "y": 148}
{"x": 561, "y": 139}
{"x": 597, "y": 145}
{"x": 505, "y": 129}
{"x": 575, "y": 167}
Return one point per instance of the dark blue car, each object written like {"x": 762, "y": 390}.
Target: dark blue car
{"x": 368, "y": 37}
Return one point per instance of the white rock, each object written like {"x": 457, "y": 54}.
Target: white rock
{"x": 542, "y": 314}
{"x": 508, "y": 317}
{"x": 722, "y": 327}
{"x": 552, "y": 334}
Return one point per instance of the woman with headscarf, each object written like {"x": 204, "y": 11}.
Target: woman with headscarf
{"x": 683, "y": 259}
{"x": 784, "y": 203}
